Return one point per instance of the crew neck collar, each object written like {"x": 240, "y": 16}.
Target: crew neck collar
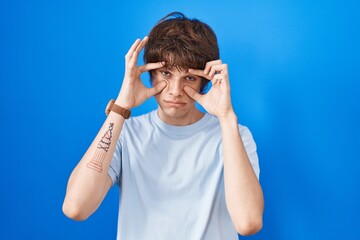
{"x": 180, "y": 130}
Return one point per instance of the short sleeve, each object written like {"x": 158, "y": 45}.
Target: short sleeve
{"x": 115, "y": 166}
{"x": 250, "y": 147}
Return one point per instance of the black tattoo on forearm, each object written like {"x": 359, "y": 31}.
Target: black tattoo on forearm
{"x": 102, "y": 148}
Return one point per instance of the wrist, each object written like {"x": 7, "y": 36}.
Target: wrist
{"x": 123, "y": 103}
{"x": 229, "y": 118}
{"x": 113, "y": 107}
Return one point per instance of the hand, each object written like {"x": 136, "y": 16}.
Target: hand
{"x": 217, "y": 101}
{"x": 133, "y": 92}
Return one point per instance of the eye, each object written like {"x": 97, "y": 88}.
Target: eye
{"x": 165, "y": 73}
{"x": 190, "y": 78}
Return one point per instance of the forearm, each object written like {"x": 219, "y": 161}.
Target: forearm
{"x": 244, "y": 197}
{"x": 89, "y": 181}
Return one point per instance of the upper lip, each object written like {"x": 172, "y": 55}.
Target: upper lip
{"x": 174, "y": 101}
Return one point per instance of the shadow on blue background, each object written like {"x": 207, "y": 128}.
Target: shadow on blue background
{"x": 294, "y": 72}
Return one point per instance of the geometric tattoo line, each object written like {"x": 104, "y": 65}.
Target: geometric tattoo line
{"x": 101, "y": 150}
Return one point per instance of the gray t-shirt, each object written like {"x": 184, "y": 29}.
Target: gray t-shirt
{"x": 171, "y": 179}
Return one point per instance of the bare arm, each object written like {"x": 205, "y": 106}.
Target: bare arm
{"x": 89, "y": 182}
{"x": 243, "y": 193}
{"x": 244, "y": 197}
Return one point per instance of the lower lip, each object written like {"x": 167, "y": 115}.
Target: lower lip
{"x": 175, "y": 104}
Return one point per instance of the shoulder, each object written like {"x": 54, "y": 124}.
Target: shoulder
{"x": 214, "y": 121}
{"x": 139, "y": 120}
{"x": 137, "y": 125}
{"x": 247, "y": 137}
{"x": 244, "y": 130}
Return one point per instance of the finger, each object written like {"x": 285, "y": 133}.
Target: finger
{"x": 156, "y": 89}
{"x": 221, "y": 68}
{"x": 138, "y": 49}
{"x": 132, "y": 49}
{"x": 221, "y": 80}
{"x": 214, "y": 81}
{"x": 193, "y": 94}
{"x": 151, "y": 66}
{"x": 142, "y": 44}
{"x": 200, "y": 73}
{"x": 218, "y": 79}
{"x": 210, "y": 64}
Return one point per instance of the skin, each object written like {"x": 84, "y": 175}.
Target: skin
{"x": 243, "y": 193}
{"x": 175, "y": 106}
{"x": 176, "y": 93}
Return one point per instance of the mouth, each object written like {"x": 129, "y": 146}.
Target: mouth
{"x": 173, "y": 103}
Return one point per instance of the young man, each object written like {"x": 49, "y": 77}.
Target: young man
{"x": 182, "y": 173}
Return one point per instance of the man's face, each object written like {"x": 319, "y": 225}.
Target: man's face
{"x": 175, "y": 106}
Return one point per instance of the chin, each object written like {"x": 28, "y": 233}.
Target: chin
{"x": 177, "y": 114}
{"x": 173, "y": 112}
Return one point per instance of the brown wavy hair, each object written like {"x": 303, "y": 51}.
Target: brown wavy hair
{"x": 182, "y": 43}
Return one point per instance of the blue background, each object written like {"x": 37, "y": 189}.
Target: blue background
{"x": 294, "y": 72}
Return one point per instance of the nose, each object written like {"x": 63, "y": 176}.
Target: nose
{"x": 176, "y": 88}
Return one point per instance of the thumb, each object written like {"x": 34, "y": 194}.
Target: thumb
{"x": 156, "y": 89}
{"x": 193, "y": 94}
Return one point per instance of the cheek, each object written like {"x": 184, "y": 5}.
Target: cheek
{"x": 164, "y": 91}
{"x": 159, "y": 96}
{"x": 158, "y": 78}
{"x": 195, "y": 84}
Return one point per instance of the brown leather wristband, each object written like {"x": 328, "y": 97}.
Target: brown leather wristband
{"x": 116, "y": 108}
